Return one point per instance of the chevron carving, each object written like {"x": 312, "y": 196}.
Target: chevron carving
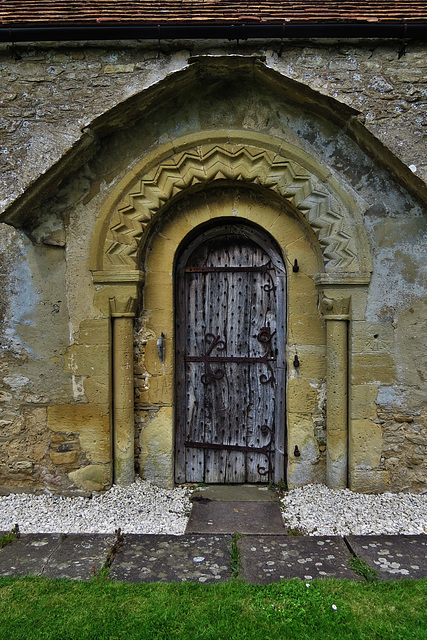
{"x": 247, "y": 164}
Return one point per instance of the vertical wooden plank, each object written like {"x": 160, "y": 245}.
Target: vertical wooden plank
{"x": 194, "y": 421}
{"x": 236, "y": 406}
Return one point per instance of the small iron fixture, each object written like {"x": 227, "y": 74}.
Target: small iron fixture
{"x": 295, "y": 267}
{"x": 297, "y": 452}
{"x": 161, "y": 347}
{"x": 296, "y": 361}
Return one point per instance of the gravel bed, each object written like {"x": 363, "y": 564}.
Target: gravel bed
{"x": 139, "y": 508}
{"x": 144, "y": 508}
{"x": 318, "y": 511}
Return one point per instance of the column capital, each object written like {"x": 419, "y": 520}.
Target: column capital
{"x": 335, "y": 307}
{"x": 123, "y": 306}
{"x": 117, "y": 292}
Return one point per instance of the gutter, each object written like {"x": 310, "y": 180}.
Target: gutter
{"x": 290, "y": 30}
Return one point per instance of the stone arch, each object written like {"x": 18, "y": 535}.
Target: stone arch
{"x": 266, "y": 165}
{"x": 185, "y": 220}
{"x": 242, "y": 157}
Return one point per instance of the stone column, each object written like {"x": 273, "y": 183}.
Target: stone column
{"x": 123, "y": 400}
{"x": 116, "y": 296}
{"x": 336, "y": 315}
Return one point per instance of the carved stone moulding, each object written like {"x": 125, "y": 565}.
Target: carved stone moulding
{"x": 336, "y": 224}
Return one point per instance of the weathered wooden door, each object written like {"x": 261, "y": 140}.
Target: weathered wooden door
{"x": 230, "y": 336}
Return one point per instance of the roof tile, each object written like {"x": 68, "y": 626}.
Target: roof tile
{"x": 66, "y": 12}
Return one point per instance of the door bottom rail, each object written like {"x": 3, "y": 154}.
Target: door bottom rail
{"x": 266, "y": 450}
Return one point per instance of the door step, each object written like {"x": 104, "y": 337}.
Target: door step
{"x": 235, "y": 509}
{"x": 236, "y": 493}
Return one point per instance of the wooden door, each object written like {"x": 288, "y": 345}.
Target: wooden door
{"x": 230, "y": 331}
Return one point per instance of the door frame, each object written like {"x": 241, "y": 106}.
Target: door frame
{"x": 260, "y": 236}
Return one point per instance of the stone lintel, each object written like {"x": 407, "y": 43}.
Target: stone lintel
{"x": 118, "y": 277}
{"x": 342, "y": 279}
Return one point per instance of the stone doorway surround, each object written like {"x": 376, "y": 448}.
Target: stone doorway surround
{"x": 311, "y": 217}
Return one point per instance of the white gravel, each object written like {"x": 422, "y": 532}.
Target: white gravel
{"x": 319, "y": 511}
{"x": 144, "y": 508}
{"x": 139, "y": 508}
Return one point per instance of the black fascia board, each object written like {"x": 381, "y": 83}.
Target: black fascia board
{"x": 217, "y": 31}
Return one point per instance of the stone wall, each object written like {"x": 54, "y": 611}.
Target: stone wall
{"x": 356, "y": 109}
{"x": 52, "y": 91}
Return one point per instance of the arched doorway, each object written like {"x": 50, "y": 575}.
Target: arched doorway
{"x": 230, "y": 332}
{"x": 308, "y": 218}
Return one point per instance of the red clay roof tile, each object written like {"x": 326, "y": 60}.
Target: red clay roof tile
{"x": 92, "y": 12}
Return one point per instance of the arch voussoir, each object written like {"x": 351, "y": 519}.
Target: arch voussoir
{"x": 207, "y": 163}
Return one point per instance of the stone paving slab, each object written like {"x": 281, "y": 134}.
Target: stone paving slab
{"x": 235, "y": 517}
{"x": 193, "y": 558}
{"x": 28, "y": 555}
{"x": 236, "y": 493}
{"x": 392, "y": 556}
{"x": 78, "y": 556}
{"x": 265, "y": 559}
{"x": 55, "y": 555}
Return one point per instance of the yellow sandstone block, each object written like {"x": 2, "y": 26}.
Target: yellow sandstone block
{"x": 87, "y": 360}
{"x": 157, "y": 448}
{"x": 97, "y": 389}
{"x": 365, "y": 444}
{"x": 309, "y": 261}
{"x": 369, "y": 481}
{"x": 161, "y": 320}
{"x": 158, "y": 295}
{"x": 312, "y": 365}
{"x": 307, "y": 329}
{"x": 96, "y": 445}
{"x": 160, "y": 389}
{"x": 372, "y": 337}
{"x": 285, "y": 230}
{"x": 163, "y": 251}
{"x": 195, "y": 216}
{"x": 78, "y": 417}
{"x": 95, "y": 332}
{"x": 152, "y": 361}
{"x": 302, "y": 397}
{"x": 372, "y": 367}
{"x": 300, "y": 285}
{"x": 362, "y": 401}
{"x": 94, "y": 477}
{"x": 176, "y": 229}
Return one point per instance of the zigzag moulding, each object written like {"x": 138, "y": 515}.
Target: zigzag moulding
{"x": 208, "y": 163}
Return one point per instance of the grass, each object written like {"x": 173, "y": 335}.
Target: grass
{"x": 8, "y": 538}
{"x": 360, "y": 566}
{"x": 37, "y": 608}
{"x": 235, "y": 555}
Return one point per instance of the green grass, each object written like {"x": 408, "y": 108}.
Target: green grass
{"x": 8, "y": 538}
{"x": 37, "y": 608}
{"x": 235, "y": 555}
{"x": 360, "y": 566}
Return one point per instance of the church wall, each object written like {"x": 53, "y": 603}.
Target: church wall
{"x": 55, "y": 397}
